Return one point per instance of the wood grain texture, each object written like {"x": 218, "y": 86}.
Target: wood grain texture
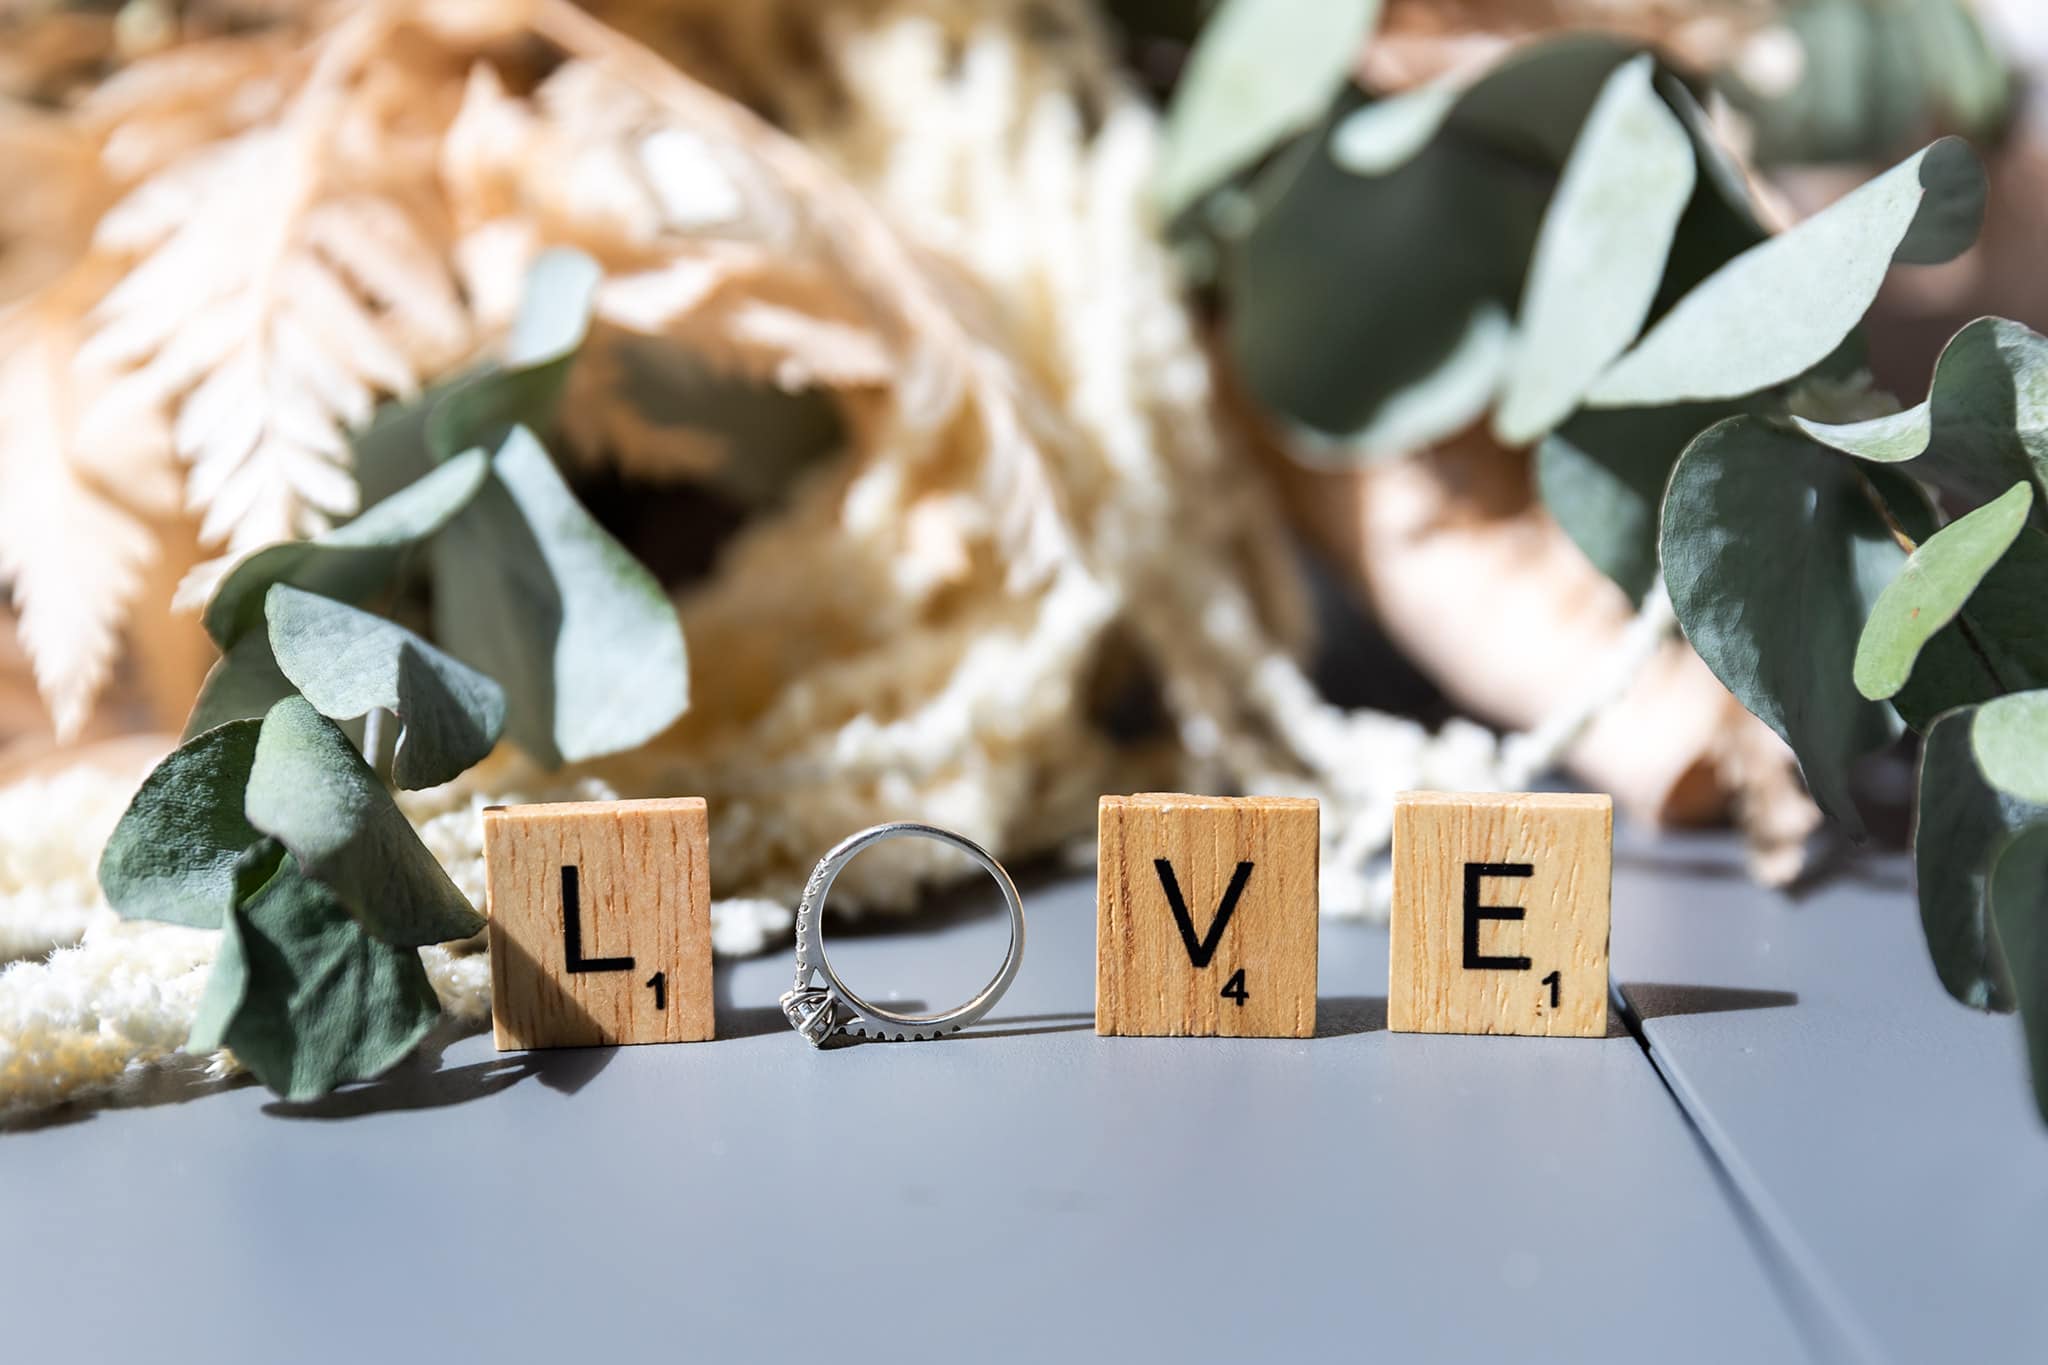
{"x": 1462, "y": 959}
{"x": 639, "y": 874}
{"x": 1159, "y": 975}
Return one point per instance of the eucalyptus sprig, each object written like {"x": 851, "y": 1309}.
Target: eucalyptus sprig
{"x": 1918, "y": 604}
{"x": 1560, "y": 246}
{"x": 272, "y": 824}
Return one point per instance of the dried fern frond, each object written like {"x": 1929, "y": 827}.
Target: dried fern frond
{"x": 277, "y": 290}
{"x": 948, "y": 364}
{"x": 334, "y": 210}
{"x": 74, "y": 556}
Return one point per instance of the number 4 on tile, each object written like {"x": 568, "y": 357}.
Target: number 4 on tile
{"x": 1199, "y": 899}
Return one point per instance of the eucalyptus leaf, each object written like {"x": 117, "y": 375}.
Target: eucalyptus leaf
{"x": 1720, "y": 172}
{"x": 1530, "y": 104}
{"x": 172, "y": 856}
{"x": 1602, "y": 477}
{"x": 554, "y": 319}
{"x": 1960, "y": 824}
{"x": 1784, "y": 305}
{"x": 475, "y": 411}
{"x": 352, "y": 561}
{"x": 2010, "y": 741}
{"x": 1600, "y": 252}
{"x": 227, "y": 985}
{"x": 1774, "y": 553}
{"x": 348, "y": 663}
{"x": 1997, "y": 643}
{"x": 307, "y": 1000}
{"x": 1388, "y": 133}
{"x": 311, "y": 790}
{"x": 1372, "y": 360}
{"x": 243, "y": 684}
{"x": 1932, "y": 587}
{"x": 535, "y": 593}
{"x": 2019, "y": 906}
{"x": 1871, "y": 77}
{"x": 1983, "y": 426}
{"x": 1260, "y": 72}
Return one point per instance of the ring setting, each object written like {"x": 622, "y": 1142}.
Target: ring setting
{"x": 819, "y": 1004}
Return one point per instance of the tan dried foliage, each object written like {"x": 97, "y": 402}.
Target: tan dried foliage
{"x": 242, "y": 242}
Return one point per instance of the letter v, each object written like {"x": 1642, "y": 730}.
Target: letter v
{"x": 1200, "y": 952}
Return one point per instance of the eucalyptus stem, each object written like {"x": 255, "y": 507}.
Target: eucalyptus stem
{"x": 380, "y": 742}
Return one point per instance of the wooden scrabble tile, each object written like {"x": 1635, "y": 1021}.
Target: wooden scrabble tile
{"x": 1500, "y": 913}
{"x": 600, "y": 922}
{"x": 1206, "y": 917}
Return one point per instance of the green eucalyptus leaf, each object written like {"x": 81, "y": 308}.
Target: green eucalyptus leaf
{"x": 2019, "y": 911}
{"x": 1871, "y": 77}
{"x": 352, "y": 561}
{"x": 1905, "y": 501}
{"x": 227, "y": 985}
{"x": 1984, "y": 424}
{"x": 1602, "y": 477}
{"x": 1774, "y": 553}
{"x": 1388, "y": 133}
{"x": 475, "y": 411}
{"x": 1783, "y": 306}
{"x": 535, "y": 593}
{"x": 1529, "y": 105}
{"x": 1372, "y": 361}
{"x": 243, "y": 684}
{"x": 2009, "y": 739}
{"x": 1960, "y": 824}
{"x": 307, "y": 1000}
{"x": 311, "y": 790}
{"x": 1261, "y": 71}
{"x": 391, "y": 449}
{"x": 554, "y": 318}
{"x": 348, "y": 663}
{"x": 1932, "y": 587}
{"x": 172, "y": 856}
{"x": 1600, "y": 253}
{"x": 1997, "y": 643}
{"x": 1720, "y": 222}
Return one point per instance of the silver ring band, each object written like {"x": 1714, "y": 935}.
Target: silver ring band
{"x": 817, "y": 1012}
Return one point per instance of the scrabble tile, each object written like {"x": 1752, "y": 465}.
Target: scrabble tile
{"x": 1206, "y": 917}
{"x": 600, "y": 922}
{"x": 1500, "y": 913}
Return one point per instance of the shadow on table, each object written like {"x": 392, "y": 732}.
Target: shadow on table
{"x": 422, "y": 1082}
{"x": 1341, "y": 1016}
{"x": 1649, "y": 1000}
{"x": 740, "y": 1021}
{"x": 1024, "y": 1025}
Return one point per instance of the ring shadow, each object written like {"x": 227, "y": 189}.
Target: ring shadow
{"x": 1025, "y": 1025}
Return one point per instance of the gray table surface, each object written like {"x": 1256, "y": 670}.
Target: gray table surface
{"x": 1816, "y": 1156}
